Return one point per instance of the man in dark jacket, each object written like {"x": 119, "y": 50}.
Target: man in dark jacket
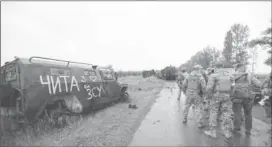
{"x": 243, "y": 98}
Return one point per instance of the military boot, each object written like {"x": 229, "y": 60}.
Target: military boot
{"x": 211, "y": 133}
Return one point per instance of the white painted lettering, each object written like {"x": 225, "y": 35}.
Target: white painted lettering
{"x": 99, "y": 90}
{"x": 74, "y": 84}
{"x": 65, "y": 81}
{"x": 46, "y": 83}
{"x": 94, "y": 88}
{"x": 83, "y": 79}
{"x": 55, "y": 86}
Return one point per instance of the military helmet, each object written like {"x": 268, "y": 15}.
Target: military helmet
{"x": 210, "y": 68}
{"x": 197, "y": 67}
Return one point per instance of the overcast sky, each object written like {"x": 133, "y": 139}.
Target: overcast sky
{"x": 128, "y": 35}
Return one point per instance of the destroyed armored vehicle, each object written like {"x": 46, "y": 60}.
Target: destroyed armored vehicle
{"x": 29, "y": 88}
{"x": 148, "y": 73}
{"x": 169, "y": 73}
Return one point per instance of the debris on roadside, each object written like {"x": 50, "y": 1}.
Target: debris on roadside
{"x": 156, "y": 121}
{"x": 132, "y": 106}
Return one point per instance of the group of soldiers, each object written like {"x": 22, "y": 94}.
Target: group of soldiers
{"x": 227, "y": 96}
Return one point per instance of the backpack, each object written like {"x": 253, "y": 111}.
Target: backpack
{"x": 223, "y": 82}
{"x": 242, "y": 86}
{"x": 193, "y": 82}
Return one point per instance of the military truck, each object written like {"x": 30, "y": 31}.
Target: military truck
{"x": 169, "y": 73}
{"x": 148, "y": 73}
{"x": 31, "y": 88}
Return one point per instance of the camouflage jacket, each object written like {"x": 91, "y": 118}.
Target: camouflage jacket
{"x": 202, "y": 83}
{"x": 205, "y": 77}
{"x": 213, "y": 80}
{"x": 181, "y": 78}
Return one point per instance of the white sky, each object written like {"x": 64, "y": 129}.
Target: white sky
{"x": 128, "y": 35}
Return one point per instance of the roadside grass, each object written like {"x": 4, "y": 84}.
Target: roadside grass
{"x": 24, "y": 135}
{"x": 46, "y": 132}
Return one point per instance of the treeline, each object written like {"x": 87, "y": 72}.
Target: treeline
{"x": 237, "y": 49}
{"x": 128, "y": 73}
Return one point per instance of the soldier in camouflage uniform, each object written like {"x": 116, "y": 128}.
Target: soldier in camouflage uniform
{"x": 202, "y": 71}
{"x": 219, "y": 90}
{"x": 193, "y": 86}
{"x": 181, "y": 78}
{"x": 243, "y": 98}
{"x": 207, "y": 102}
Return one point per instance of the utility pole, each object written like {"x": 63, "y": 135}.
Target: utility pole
{"x": 254, "y": 58}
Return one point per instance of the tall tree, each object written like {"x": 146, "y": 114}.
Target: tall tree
{"x": 227, "y": 51}
{"x": 265, "y": 41}
{"x": 240, "y": 35}
{"x": 206, "y": 57}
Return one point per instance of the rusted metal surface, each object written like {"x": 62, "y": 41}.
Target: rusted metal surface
{"x": 41, "y": 84}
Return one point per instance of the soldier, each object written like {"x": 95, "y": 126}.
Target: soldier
{"x": 180, "y": 80}
{"x": 267, "y": 101}
{"x": 243, "y": 98}
{"x": 219, "y": 89}
{"x": 193, "y": 86}
{"x": 207, "y": 102}
{"x": 202, "y": 71}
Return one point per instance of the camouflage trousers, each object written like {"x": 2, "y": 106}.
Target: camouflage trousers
{"x": 207, "y": 108}
{"x": 221, "y": 106}
{"x": 199, "y": 107}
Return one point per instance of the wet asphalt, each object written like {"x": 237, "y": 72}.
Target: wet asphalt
{"x": 163, "y": 126}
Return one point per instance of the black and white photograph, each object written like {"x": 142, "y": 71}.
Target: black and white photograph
{"x": 135, "y": 73}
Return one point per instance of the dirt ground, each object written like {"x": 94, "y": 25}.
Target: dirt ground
{"x": 112, "y": 126}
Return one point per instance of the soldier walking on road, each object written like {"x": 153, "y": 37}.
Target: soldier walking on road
{"x": 207, "y": 102}
{"x": 180, "y": 80}
{"x": 193, "y": 86}
{"x": 219, "y": 89}
{"x": 243, "y": 98}
{"x": 202, "y": 71}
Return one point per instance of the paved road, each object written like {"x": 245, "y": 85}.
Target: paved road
{"x": 163, "y": 126}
